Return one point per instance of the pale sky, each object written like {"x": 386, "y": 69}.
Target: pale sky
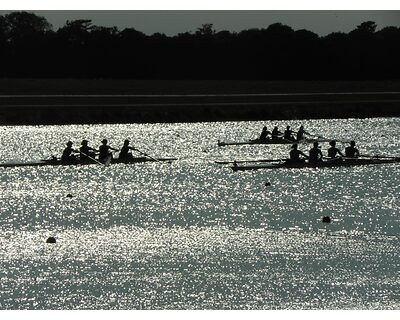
{"x": 172, "y": 22}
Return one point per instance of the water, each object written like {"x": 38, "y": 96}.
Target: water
{"x": 192, "y": 234}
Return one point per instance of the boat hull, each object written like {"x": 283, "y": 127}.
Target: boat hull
{"x": 325, "y": 164}
{"x": 57, "y": 162}
{"x": 270, "y": 141}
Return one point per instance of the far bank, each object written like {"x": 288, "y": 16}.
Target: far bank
{"x": 65, "y": 101}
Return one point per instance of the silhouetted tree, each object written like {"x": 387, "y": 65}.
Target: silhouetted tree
{"x": 3, "y": 44}
{"x": 306, "y": 55}
{"x": 26, "y": 37}
{"x": 388, "y": 51}
{"x": 22, "y": 26}
{"x": 205, "y": 30}
{"x": 335, "y": 51}
{"x": 75, "y": 32}
{"x": 367, "y": 27}
{"x": 3, "y": 33}
{"x": 3, "y": 29}
{"x": 362, "y": 54}
{"x": 30, "y": 48}
{"x": 132, "y": 53}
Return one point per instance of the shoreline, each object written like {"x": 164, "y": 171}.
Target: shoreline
{"x": 188, "y": 86}
{"x": 68, "y": 101}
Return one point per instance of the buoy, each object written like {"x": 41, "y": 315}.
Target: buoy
{"x": 69, "y": 195}
{"x": 51, "y": 240}
{"x": 326, "y": 219}
{"x": 268, "y": 184}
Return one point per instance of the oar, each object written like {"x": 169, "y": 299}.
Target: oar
{"x": 378, "y": 156}
{"x": 278, "y": 138}
{"x": 289, "y": 141}
{"x": 53, "y": 157}
{"x": 340, "y": 157}
{"x": 145, "y": 154}
{"x": 327, "y": 159}
{"x": 242, "y": 161}
{"x": 282, "y": 137}
{"x": 341, "y": 141}
{"x": 91, "y": 158}
{"x": 359, "y": 159}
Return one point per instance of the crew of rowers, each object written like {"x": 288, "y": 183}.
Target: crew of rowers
{"x": 315, "y": 153}
{"x": 104, "y": 152}
{"x": 288, "y": 134}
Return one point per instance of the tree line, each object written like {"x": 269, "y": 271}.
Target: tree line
{"x": 29, "y": 47}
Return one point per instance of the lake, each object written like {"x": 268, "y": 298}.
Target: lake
{"x": 192, "y": 234}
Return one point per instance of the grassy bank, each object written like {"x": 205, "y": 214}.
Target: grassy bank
{"x": 307, "y": 100}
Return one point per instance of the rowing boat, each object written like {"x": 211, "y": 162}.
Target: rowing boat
{"x": 248, "y": 161}
{"x": 58, "y": 162}
{"x": 324, "y": 164}
{"x": 271, "y": 141}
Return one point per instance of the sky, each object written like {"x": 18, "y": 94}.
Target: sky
{"x": 172, "y": 22}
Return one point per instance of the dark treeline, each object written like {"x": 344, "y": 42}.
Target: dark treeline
{"x": 29, "y": 47}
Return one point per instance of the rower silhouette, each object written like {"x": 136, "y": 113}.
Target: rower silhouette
{"x": 288, "y": 134}
{"x": 104, "y": 151}
{"x": 352, "y": 151}
{"x": 264, "y": 134}
{"x": 333, "y": 151}
{"x": 315, "y": 154}
{"x": 275, "y": 133}
{"x": 295, "y": 154}
{"x": 300, "y": 134}
{"x": 86, "y": 151}
{"x": 124, "y": 154}
{"x": 67, "y": 154}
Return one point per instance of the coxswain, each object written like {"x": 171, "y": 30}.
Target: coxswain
{"x": 104, "y": 151}
{"x": 333, "y": 151}
{"x": 264, "y": 134}
{"x": 86, "y": 151}
{"x": 352, "y": 151}
{"x": 275, "y": 133}
{"x": 68, "y": 153}
{"x": 124, "y": 154}
{"x": 295, "y": 154}
{"x": 300, "y": 134}
{"x": 315, "y": 154}
{"x": 288, "y": 134}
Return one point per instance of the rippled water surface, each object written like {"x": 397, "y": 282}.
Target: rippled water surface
{"x": 193, "y": 234}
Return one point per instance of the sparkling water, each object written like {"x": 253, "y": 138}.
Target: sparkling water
{"x": 192, "y": 234}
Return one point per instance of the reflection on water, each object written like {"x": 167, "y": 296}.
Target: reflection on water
{"x": 194, "y": 234}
